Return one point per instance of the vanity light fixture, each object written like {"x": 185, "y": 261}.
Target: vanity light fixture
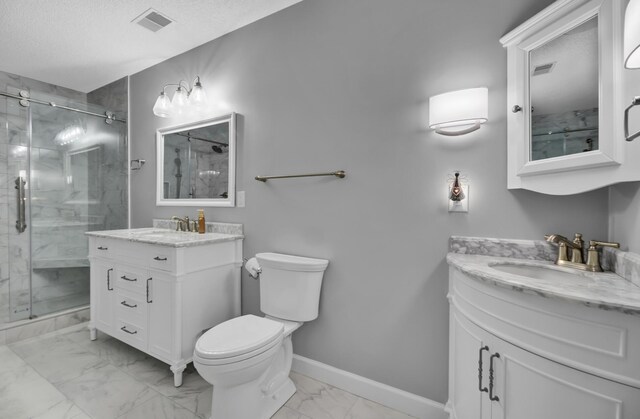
{"x": 184, "y": 99}
{"x": 459, "y": 112}
{"x": 631, "y": 55}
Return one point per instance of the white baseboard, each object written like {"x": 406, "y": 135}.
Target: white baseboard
{"x": 400, "y": 400}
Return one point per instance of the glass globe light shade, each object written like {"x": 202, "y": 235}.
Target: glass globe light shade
{"x": 180, "y": 101}
{"x": 162, "y": 107}
{"x": 198, "y": 96}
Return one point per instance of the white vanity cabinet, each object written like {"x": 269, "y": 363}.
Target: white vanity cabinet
{"x": 520, "y": 356}
{"x": 160, "y": 298}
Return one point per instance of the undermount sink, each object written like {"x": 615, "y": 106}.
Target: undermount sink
{"x": 542, "y": 272}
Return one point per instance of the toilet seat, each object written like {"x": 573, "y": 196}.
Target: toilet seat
{"x": 238, "y": 339}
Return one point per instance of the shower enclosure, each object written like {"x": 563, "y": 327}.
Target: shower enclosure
{"x": 63, "y": 172}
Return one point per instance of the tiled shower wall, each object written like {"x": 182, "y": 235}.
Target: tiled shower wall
{"x": 55, "y": 239}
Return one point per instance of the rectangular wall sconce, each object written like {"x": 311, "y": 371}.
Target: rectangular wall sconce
{"x": 459, "y": 112}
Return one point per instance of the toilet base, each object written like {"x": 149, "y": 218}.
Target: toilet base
{"x": 262, "y": 406}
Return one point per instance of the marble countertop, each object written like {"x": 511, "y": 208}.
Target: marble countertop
{"x": 165, "y": 237}
{"x": 604, "y": 290}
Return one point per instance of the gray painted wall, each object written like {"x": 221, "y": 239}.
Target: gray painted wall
{"x": 344, "y": 84}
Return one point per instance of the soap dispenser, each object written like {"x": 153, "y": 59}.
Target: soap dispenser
{"x": 201, "y": 222}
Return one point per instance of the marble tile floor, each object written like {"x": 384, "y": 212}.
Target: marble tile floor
{"x": 64, "y": 375}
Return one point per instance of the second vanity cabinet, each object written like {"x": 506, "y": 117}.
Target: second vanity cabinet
{"x": 160, "y": 298}
{"x": 520, "y": 356}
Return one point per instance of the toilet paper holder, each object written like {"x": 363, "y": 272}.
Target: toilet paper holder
{"x": 251, "y": 266}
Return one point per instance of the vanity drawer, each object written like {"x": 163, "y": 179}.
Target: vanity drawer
{"x": 131, "y": 279}
{"x": 132, "y": 334}
{"x": 131, "y": 308}
{"x": 160, "y": 257}
{"x": 101, "y": 247}
{"x": 147, "y": 256}
{"x": 600, "y": 342}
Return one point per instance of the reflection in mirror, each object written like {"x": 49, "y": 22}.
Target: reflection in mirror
{"x": 196, "y": 163}
{"x": 564, "y": 93}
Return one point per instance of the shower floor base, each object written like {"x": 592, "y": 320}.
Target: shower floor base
{"x": 24, "y": 329}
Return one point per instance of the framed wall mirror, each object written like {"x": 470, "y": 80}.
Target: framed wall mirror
{"x": 196, "y": 163}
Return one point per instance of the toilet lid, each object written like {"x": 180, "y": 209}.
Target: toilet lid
{"x": 238, "y": 336}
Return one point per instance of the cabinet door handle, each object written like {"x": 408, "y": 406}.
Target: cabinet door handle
{"x": 482, "y": 389}
{"x": 102, "y": 248}
{"x": 516, "y": 109}
{"x": 109, "y": 279}
{"x": 124, "y": 329}
{"x": 148, "y": 300}
{"x": 491, "y": 396}
{"x": 128, "y": 279}
{"x": 124, "y": 303}
{"x": 159, "y": 258}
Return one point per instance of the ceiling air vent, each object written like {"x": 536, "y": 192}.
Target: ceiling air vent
{"x": 543, "y": 69}
{"x": 152, "y": 20}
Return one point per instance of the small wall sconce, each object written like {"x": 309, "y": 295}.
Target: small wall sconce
{"x": 459, "y": 112}
{"x": 457, "y": 194}
{"x": 185, "y": 98}
{"x": 631, "y": 54}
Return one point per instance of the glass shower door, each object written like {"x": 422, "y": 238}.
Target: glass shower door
{"x": 15, "y": 205}
{"x": 75, "y": 173}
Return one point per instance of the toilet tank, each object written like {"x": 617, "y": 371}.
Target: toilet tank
{"x": 290, "y": 285}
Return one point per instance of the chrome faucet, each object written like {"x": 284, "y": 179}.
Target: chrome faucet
{"x": 183, "y": 223}
{"x": 576, "y": 246}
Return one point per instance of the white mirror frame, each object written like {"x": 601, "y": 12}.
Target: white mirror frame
{"x": 230, "y": 201}
{"x": 555, "y": 20}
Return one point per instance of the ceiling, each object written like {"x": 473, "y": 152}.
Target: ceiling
{"x": 86, "y": 44}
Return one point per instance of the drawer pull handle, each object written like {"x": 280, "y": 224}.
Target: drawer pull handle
{"x": 482, "y": 389}
{"x": 491, "y": 396}
{"x": 148, "y": 300}
{"x": 109, "y": 279}
{"x": 124, "y": 329}
{"x": 124, "y": 303}
{"x": 102, "y": 248}
{"x": 159, "y": 258}
{"x": 128, "y": 279}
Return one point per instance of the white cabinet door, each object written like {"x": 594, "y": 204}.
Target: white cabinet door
{"x": 523, "y": 385}
{"x": 469, "y": 366}
{"x": 162, "y": 315}
{"x": 531, "y": 387}
{"x": 102, "y": 284}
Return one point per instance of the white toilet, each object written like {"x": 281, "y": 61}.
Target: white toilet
{"x": 248, "y": 358}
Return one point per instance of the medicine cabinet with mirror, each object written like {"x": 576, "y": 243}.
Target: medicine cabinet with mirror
{"x": 196, "y": 163}
{"x": 565, "y": 101}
